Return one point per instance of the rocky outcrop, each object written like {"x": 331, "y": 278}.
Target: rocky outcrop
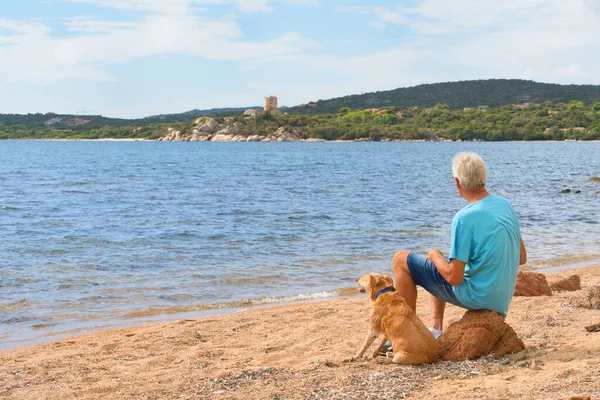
{"x": 229, "y": 134}
{"x": 252, "y": 113}
{"x": 281, "y": 135}
{"x": 590, "y": 298}
{"x": 569, "y": 284}
{"x": 477, "y": 334}
{"x": 532, "y": 284}
{"x": 205, "y": 130}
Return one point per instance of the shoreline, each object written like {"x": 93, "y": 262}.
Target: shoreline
{"x": 302, "y": 141}
{"x": 296, "y": 351}
{"x": 46, "y": 334}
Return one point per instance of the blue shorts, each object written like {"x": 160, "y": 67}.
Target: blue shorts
{"x": 424, "y": 274}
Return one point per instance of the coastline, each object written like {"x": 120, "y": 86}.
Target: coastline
{"x": 296, "y": 351}
{"x": 303, "y": 141}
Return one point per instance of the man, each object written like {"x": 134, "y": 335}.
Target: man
{"x": 486, "y": 251}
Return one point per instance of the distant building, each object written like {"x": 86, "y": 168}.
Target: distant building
{"x": 271, "y": 104}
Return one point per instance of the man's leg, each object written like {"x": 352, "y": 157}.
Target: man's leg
{"x": 438, "y": 306}
{"x": 405, "y": 286}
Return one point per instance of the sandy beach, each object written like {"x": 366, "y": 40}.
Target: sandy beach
{"x": 299, "y": 352}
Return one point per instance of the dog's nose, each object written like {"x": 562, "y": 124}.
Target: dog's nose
{"x": 362, "y": 290}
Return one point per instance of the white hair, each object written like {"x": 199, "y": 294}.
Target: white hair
{"x": 470, "y": 171}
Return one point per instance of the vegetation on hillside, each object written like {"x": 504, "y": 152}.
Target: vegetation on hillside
{"x": 473, "y": 110}
{"x": 547, "y": 121}
{"x": 458, "y": 95}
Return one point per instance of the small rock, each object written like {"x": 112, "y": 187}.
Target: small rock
{"x": 532, "y": 284}
{"x": 569, "y": 284}
{"x": 523, "y": 364}
{"x": 327, "y": 363}
{"x": 590, "y": 298}
{"x": 517, "y": 356}
{"x": 581, "y": 397}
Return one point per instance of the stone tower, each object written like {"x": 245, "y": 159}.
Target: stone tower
{"x": 271, "y": 104}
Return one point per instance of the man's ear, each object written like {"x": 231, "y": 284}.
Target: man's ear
{"x": 457, "y": 183}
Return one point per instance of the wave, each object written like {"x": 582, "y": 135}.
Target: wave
{"x": 564, "y": 262}
{"x": 236, "y": 304}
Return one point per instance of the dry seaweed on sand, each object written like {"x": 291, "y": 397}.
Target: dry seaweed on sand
{"x": 359, "y": 380}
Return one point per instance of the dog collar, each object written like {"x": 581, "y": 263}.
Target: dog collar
{"x": 386, "y": 290}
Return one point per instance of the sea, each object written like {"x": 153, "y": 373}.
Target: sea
{"x": 104, "y": 234}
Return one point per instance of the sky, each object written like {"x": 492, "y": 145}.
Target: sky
{"x": 136, "y": 58}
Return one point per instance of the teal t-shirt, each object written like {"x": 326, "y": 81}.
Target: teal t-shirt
{"x": 486, "y": 236}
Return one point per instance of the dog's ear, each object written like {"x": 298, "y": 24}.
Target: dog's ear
{"x": 373, "y": 286}
{"x": 389, "y": 280}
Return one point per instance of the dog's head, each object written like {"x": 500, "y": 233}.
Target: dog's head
{"x": 374, "y": 283}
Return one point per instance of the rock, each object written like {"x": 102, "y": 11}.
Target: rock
{"x": 229, "y": 131}
{"x": 517, "y": 356}
{"x": 569, "y": 284}
{"x": 477, "y": 334}
{"x": 254, "y": 138}
{"x": 581, "y": 397}
{"x": 565, "y": 191}
{"x": 172, "y": 136}
{"x": 523, "y": 364}
{"x": 281, "y": 135}
{"x": 590, "y": 298}
{"x": 209, "y": 126}
{"x": 252, "y": 113}
{"x": 532, "y": 284}
{"x": 222, "y": 138}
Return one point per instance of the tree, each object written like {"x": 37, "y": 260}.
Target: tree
{"x": 575, "y": 105}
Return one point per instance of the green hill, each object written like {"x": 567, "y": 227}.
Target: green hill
{"x": 458, "y": 95}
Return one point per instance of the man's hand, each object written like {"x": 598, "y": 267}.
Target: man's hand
{"x": 453, "y": 273}
{"x": 435, "y": 255}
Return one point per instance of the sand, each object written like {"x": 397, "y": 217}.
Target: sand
{"x": 298, "y": 352}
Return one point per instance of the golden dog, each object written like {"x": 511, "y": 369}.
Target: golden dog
{"x": 395, "y": 321}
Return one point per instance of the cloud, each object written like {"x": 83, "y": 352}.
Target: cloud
{"x": 545, "y": 40}
{"x": 37, "y": 56}
{"x": 377, "y": 25}
{"x": 382, "y": 13}
{"x": 182, "y": 6}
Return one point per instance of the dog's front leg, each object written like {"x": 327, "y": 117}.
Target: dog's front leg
{"x": 382, "y": 342}
{"x": 371, "y": 336}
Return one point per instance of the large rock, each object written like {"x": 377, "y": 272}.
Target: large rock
{"x": 477, "y": 334}
{"x": 209, "y": 126}
{"x": 532, "y": 284}
{"x": 569, "y": 284}
{"x": 281, "y": 135}
{"x": 590, "y": 298}
{"x": 172, "y": 136}
{"x": 252, "y": 113}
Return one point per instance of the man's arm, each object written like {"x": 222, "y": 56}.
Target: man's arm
{"x": 453, "y": 272}
{"x": 523, "y": 256}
